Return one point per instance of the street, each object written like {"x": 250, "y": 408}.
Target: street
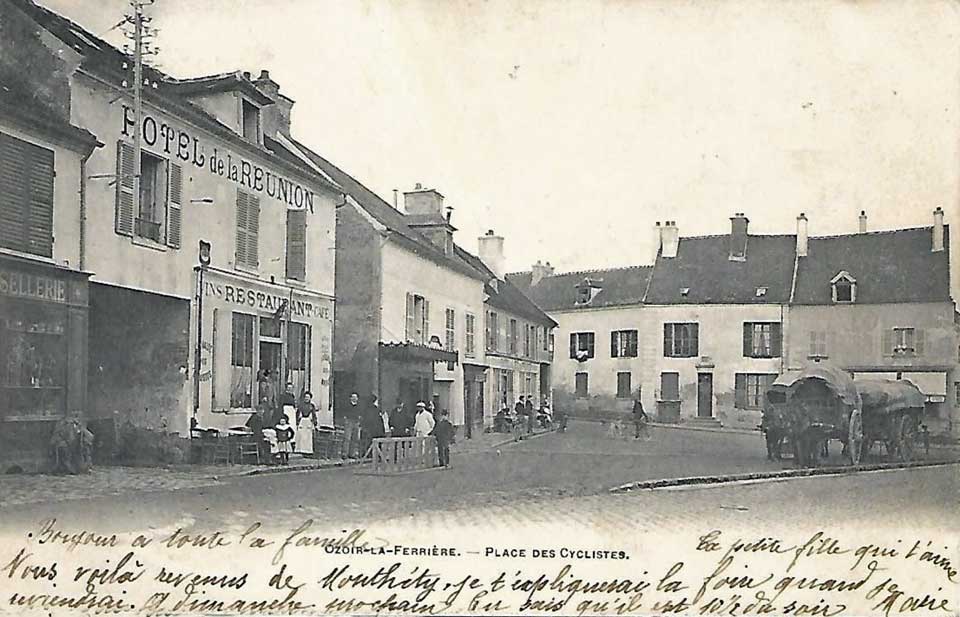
{"x": 554, "y": 476}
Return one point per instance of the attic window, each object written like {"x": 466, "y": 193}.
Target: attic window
{"x": 250, "y": 121}
{"x": 587, "y": 291}
{"x": 844, "y": 288}
{"x": 684, "y": 291}
{"x": 761, "y": 292}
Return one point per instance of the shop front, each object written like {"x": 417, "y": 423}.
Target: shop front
{"x": 258, "y": 337}
{"x": 407, "y": 375}
{"x": 43, "y": 350}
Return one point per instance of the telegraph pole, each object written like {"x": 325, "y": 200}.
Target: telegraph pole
{"x": 137, "y": 101}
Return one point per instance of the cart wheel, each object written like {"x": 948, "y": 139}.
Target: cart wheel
{"x": 907, "y": 434}
{"x": 855, "y": 438}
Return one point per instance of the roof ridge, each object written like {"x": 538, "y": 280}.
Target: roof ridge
{"x": 875, "y": 232}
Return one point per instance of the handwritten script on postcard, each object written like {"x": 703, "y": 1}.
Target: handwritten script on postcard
{"x": 54, "y": 569}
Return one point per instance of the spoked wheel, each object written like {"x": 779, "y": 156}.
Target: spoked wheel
{"x": 855, "y": 438}
{"x": 908, "y": 433}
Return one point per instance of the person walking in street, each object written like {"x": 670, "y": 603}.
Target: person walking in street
{"x": 531, "y": 414}
{"x": 351, "y": 427}
{"x": 639, "y": 419}
{"x": 443, "y": 431}
{"x": 519, "y": 418}
{"x": 306, "y": 424}
{"x": 424, "y": 423}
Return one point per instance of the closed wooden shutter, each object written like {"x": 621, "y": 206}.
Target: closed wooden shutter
{"x": 253, "y": 231}
{"x": 411, "y": 309}
{"x": 13, "y": 193}
{"x": 26, "y": 196}
{"x": 886, "y": 342}
{"x": 740, "y": 391}
{"x": 174, "y": 205}
{"x": 776, "y": 342}
{"x": 573, "y": 345}
{"x": 694, "y": 330}
{"x": 613, "y": 345}
{"x": 814, "y": 348}
{"x": 590, "y": 345}
{"x": 747, "y": 339}
{"x": 297, "y": 244}
{"x": 426, "y": 321}
{"x": 667, "y": 340}
{"x": 242, "y": 215}
{"x": 918, "y": 342}
{"x": 126, "y": 164}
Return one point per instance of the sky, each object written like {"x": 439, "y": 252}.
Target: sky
{"x": 571, "y": 127}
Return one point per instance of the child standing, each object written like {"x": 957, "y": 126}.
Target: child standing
{"x": 443, "y": 431}
{"x": 284, "y": 439}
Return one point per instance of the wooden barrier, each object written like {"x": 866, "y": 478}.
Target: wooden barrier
{"x": 403, "y": 454}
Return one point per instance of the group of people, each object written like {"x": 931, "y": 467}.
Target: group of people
{"x": 362, "y": 423}
{"x": 284, "y": 424}
{"x": 523, "y": 417}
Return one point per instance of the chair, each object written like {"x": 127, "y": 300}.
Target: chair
{"x": 247, "y": 446}
{"x": 222, "y": 450}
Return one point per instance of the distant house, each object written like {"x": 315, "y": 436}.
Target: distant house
{"x": 703, "y": 331}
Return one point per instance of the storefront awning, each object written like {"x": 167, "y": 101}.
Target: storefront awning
{"x": 411, "y": 352}
{"x": 931, "y": 384}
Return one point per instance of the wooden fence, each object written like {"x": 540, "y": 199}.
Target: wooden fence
{"x": 401, "y": 454}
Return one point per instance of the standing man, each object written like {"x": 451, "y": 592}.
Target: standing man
{"x": 639, "y": 417}
{"x": 424, "y": 423}
{"x": 372, "y": 426}
{"x": 351, "y": 427}
{"x": 443, "y": 431}
{"x": 531, "y": 414}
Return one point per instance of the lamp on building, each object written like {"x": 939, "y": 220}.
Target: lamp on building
{"x": 203, "y": 256}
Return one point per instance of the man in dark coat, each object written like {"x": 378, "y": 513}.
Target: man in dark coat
{"x": 371, "y": 424}
{"x": 443, "y": 431}
{"x": 639, "y": 417}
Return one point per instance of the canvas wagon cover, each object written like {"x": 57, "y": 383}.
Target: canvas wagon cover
{"x": 837, "y": 379}
{"x": 887, "y": 395}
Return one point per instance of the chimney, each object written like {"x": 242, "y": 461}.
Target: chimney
{"x": 938, "y": 229}
{"x": 424, "y": 210}
{"x": 540, "y": 272}
{"x": 738, "y": 237}
{"x": 657, "y": 240}
{"x": 669, "y": 239}
{"x": 863, "y": 221}
{"x": 491, "y": 252}
{"x": 275, "y": 118}
{"x": 802, "y": 238}
{"x": 423, "y": 202}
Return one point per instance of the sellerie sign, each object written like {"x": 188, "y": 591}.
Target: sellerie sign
{"x": 267, "y": 302}
{"x": 191, "y": 149}
{"x": 23, "y": 285}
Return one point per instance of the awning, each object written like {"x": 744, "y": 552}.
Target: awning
{"x": 411, "y": 352}
{"x": 931, "y": 384}
{"x": 871, "y": 375}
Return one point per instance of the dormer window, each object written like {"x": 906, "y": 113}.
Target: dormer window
{"x": 684, "y": 291}
{"x": 844, "y": 288}
{"x": 250, "y": 121}
{"x": 587, "y": 291}
{"x": 761, "y": 292}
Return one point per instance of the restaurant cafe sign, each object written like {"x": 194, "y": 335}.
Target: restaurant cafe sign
{"x": 267, "y": 302}
{"x": 189, "y": 148}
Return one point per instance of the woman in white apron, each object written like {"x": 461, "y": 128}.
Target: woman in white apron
{"x": 306, "y": 423}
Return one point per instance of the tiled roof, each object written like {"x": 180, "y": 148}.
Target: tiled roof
{"x": 703, "y": 273}
{"x": 27, "y": 109}
{"x": 391, "y": 218}
{"x": 889, "y": 266}
{"x": 506, "y": 296}
{"x": 618, "y": 287}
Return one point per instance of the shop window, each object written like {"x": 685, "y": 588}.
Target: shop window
{"x": 623, "y": 385}
{"x": 251, "y": 121}
{"x": 504, "y": 386}
{"x": 471, "y": 333}
{"x": 241, "y": 362}
{"x": 248, "y": 230}
{"x": 623, "y": 344}
{"x": 298, "y": 356}
{"x": 681, "y": 340}
{"x": 750, "y": 389}
{"x": 26, "y": 197}
{"x": 152, "y": 197}
{"x": 582, "y": 385}
{"x": 33, "y": 354}
{"x": 761, "y": 339}
{"x": 297, "y": 245}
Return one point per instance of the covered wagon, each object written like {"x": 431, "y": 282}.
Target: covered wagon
{"x": 891, "y": 415}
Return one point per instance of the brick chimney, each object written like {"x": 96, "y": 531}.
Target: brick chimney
{"x": 425, "y": 213}
{"x": 863, "y": 221}
{"x": 937, "y": 244}
{"x": 669, "y": 239}
{"x": 802, "y": 237}
{"x": 657, "y": 241}
{"x": 540, "y": 272}
{"x": 491, "y": 253}
{"x": 738, "y": 237}
{"x": 274, "y": 118}
{"x": 423, "y": 202}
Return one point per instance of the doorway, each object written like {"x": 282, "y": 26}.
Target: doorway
{"x": 704, "y": 395}
{"x": 270, "y": 353}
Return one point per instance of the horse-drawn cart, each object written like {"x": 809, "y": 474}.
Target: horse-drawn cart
{"x": 822, "y": 402}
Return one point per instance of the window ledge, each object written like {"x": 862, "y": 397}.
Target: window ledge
{"x": 234, "y": 411}
{"x": 148, "y": 243}
{"x": 295, "y": 282}
{"x": 247, "y": 270}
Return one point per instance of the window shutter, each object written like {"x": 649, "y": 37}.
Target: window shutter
{"x": 242, "y": 208}
{"x": 776, "y": 344}
{"x": 695, "y": 338}
{"x": 824, "y": 347}
{"x": 174, "y": 204}
{"x": 297, "y": 244}
{"x": 667, "y": 340}
{"x": 814, "y": 348}
{"x": 613, "y": 344}
{"x": 918, "y": 342}
{"x": 886, "y": 342}
{"x": 426, "y": 321}
{"x": 13, "y": 197}
{"x": 40, "y": 222}
{"x": 747, "y": 339}
{"x": 123, "y": 219}
{"x": 253, "y": 230}
{"x": 411, "y": 309}
{"x": 573, "y": 345}
{"x": 740, "y": 391}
